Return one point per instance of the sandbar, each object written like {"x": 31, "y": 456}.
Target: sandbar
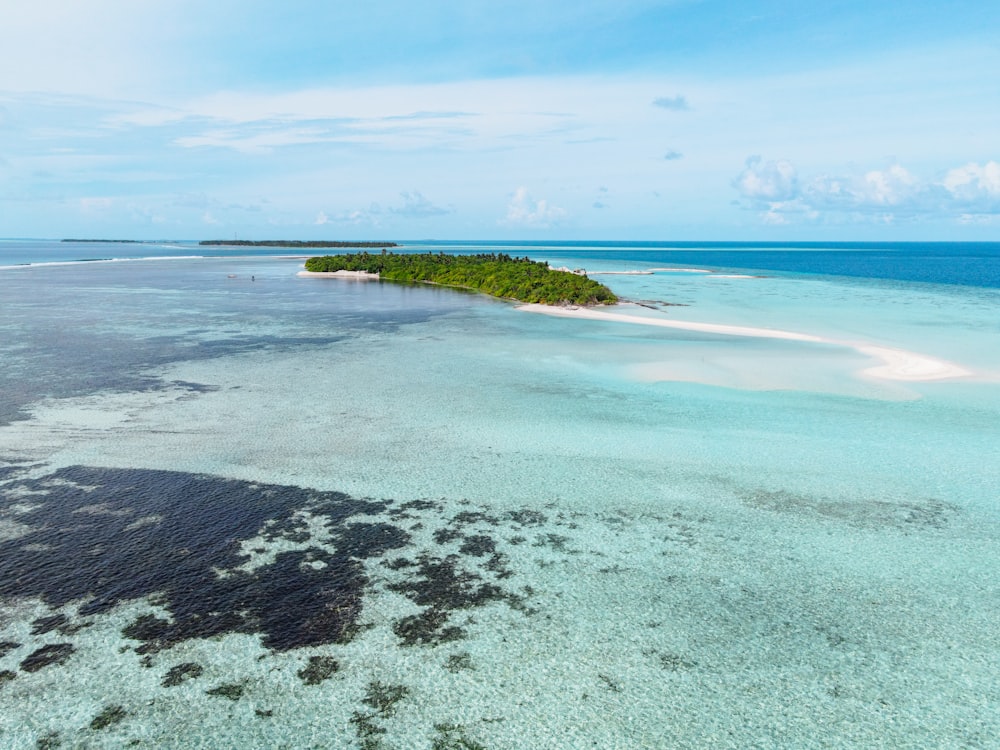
{"x": 897, "y": 364}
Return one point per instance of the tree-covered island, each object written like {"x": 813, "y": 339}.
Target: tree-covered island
{"x": 500, "y": 275}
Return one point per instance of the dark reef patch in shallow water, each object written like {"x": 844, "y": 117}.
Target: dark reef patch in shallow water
{"x": 57, "y": 622}
{"x": 231, "y": 690}
{"x": 453, "y": 737}
{"x": 110, "y": 715}
{"x": 10, "y": 468}
{"x": 182, "y": 673}
{"x": 305, "y": 597}
{"x": 459, "y": 662}
{"x": 928, "y": 513}
{"x": 99, "y": 537}
{"x": 53, "y": 653}
{"x": 73, "y": 362}
{"x": 382, "y": 698}
{"x": 320, "y": 668}
{"x": 448, "y": 583}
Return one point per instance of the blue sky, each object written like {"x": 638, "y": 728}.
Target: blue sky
{"x": 627, "y": 119}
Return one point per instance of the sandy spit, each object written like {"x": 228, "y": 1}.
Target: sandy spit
{"x": 896, "y": 364}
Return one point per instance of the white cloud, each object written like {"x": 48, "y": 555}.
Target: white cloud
{"x": 371, "y": 216}
{"x": 974, "y": 183}
{"x": 677, "y": 103}
{"x": 95, "y": 204}
{"x": 978, "y": 220}
{"x": 415, "y": 205}
{"x": 525, "y": 211}
{"x": 767, "y": 181}
{"x": 890, "y": 187}
{"x": 880, "y": 195}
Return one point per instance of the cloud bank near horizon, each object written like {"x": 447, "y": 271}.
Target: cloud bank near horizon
{"x": 969, "y": 193}
{"x": 178, "y": 125}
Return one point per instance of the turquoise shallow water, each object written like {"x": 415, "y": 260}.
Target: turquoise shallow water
{"x": 314, "y": 513}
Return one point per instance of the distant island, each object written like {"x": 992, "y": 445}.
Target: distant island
{"x": 499, "y": 275}
{"x": 130, "y": 242}
{"x": 296, "y": 243}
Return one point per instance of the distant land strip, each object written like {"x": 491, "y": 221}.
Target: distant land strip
{"x": 131, "y": 242}
{"x": 296, "y": 243}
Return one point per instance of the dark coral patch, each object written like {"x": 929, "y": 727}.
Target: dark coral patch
{"x": 182, "y": 673}
{"x": 48, "y": 624}
{"x": 7, "y": 646}
{"x": 54, "y": 653}
{"x": 231, "y": 690}
{"x": 459, "y": 662}
{"x": 445, "y": 535}
{"x": 110, "y": 715}
{"x": 453, "y": 737}
{"x": 48, "y": 741}
{"x": 429, "y": 628}
{"x": 306, "y": 597}
{"x": 467, "y": 517}
{"x": 320, "y": 668}
{"x": 867, "y": 513}
{"x": 440, "y": 583}
{"x": 442, "y": 587}
{"x": 526, "y": 517}
{"x": 478, "y": 545}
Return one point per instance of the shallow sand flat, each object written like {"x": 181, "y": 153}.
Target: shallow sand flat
{"x": 904, "y": 365}
{"x": 898, "y": 364}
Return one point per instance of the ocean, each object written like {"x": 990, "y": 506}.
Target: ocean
{"x": 243, "y": 508}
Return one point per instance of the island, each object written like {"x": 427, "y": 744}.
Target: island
{"x": 297, "y": 243}
{"x": 499, "y": 275}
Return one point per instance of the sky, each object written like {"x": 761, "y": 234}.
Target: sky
{"x": 485, "y": 120}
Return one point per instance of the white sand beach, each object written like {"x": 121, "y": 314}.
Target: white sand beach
{"x": 356, "y": 275}
{"x": 897, "y": 364}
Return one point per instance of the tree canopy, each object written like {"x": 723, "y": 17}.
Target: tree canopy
{"x": 499, "y": 275}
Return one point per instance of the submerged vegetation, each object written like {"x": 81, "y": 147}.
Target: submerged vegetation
{"x": 500, "y": 275}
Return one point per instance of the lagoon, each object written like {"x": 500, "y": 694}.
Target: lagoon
{"x": 240, "y": 507}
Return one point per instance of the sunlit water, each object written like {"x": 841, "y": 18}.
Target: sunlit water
{"x": 241, "y": 508}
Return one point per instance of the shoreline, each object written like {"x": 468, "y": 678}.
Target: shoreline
{"x": 897, "y": 364}
{"x": 355, "y": 275}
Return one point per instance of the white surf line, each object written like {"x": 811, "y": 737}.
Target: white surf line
{"x": 898, "y": 364}
{"x": 682, "y": 270}
{"x": 619, "y": 273}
